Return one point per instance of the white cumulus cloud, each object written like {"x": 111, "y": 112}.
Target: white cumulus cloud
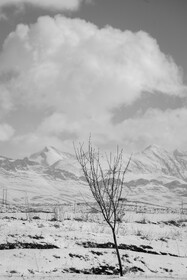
{"x": 6, "y": 132}
{"x": 80, "y": 73}
{"x": 62, "y": 62}
{"x": 165, "y": 128}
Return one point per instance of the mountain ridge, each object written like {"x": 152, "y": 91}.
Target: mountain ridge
{"x": 51, "y": 176}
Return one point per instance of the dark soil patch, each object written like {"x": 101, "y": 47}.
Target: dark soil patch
{"x": 176, "y": 223}
{"x": 57, "y": 257}
{"x": 96, "y": 253}
{"x": 167, "y": 269}
{"x": 86, "y": 258}
{"x": 90, "y": 244}
{"x": 20, "y": 245}
{"x": 36, "y": 218}
{"x": 75, "y": 255}
{"x": 164, "y": 254}
{"x": 101, "y": 270}
{"x": 135, "y": 269}
{"x": 141, "y": 248}
{"x": 36, "y": 236}
{"x": 109, "y": 245}
{"x": 53, "y": 220}
{"x": 8, "y": 218}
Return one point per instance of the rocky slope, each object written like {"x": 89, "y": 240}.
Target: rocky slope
{"x": 51, "y": 176}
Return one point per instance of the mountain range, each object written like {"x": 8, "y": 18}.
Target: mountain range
{"x": 50, "y": 176}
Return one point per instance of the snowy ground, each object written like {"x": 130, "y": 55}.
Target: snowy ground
{"x": 80, "y": 244}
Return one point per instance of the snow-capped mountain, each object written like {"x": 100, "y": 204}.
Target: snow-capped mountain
{"x": 155, "y": 175}
{"x": 50, "y": 155}
{"x": 157, "y": 160}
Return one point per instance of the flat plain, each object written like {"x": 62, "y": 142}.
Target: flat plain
{"x": 73, "y": 242}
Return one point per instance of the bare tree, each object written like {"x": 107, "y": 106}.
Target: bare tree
{"x": 106, "y": 184}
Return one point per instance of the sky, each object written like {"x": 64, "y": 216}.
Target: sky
{"x": 115, "y": 69}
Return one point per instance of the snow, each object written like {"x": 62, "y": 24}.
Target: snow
{"x": 76, "y": 226}
{"x": 154, "y": 176}
{"x": 49, "y": 155}
{"x": 54, "y": 175}
{"x": 52, "y": 186}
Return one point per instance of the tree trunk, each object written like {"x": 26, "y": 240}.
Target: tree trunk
{"x": 117, "y": 251}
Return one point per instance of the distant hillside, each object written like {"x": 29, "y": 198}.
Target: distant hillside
{"x": 51, "y": 176}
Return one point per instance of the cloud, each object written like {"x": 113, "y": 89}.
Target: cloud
{"x": 6, "y": 104}
{"x": 56, "y": 124}
{"x": 56, "y": 5}
{"x": 3, "y": 16}
{"x": 78, "y": 74}
{"x": 6, "y": 132}
{"x": 165, "y": 128}
{"x": 30, "y": 143}
{"x": 61, "y": 62}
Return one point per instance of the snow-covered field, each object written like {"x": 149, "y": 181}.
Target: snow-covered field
{"x": 71, "y": 242}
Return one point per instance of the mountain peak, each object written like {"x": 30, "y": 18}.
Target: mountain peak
{"x": 154, "y": 174}
{"x": 48, "y": 148}
{"x": 153, "y": 148}
{"x": 179, "y": 153}
{"x": 49, "y": 155}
